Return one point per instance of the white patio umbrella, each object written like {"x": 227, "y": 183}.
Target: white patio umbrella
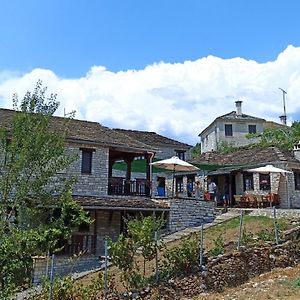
{"x": 268, "y": 169}
{"x": 174, "y": 164}
{"x": 271, "y": 169}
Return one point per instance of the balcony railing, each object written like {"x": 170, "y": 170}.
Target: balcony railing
{"x": 121, "y": 186}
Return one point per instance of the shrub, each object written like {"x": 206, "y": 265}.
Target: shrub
{"x": 218, "y": 246}
{"x": 182, "y": 259}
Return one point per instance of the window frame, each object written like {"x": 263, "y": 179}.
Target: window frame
{"x": 248, "y": 176}
{"x": 297, "y": 179}
{"x": 180, "y": 154}
{"x": 179, "y": 184}
{"x": 230, "y": 132}
{"x": 251, "y": 130}
{"x": 86, "y": 166}
{"x": 267, "y": 186}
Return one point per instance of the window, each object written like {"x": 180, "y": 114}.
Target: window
{"x": 86, "y": 161}
{"x": 252, "y": 128}
{"x": 248, "y": 182}
{"x": 228, "y": 129}
{"x": 179, "y": 184}
{"x": 180, "y": 154}
{"x": 297, "y": 179}
{"x": 264, "y": 182}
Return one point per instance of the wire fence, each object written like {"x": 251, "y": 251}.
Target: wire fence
{"x": 52, "y": 266}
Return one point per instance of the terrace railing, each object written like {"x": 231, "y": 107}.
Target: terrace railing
{"x": 121, "y": 186}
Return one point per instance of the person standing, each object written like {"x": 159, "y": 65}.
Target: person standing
{"x": 226, "y": 195}
{"x": 198, "y": 190}
{"x": 189, "y": 188}
{"x": 212, "y": 189}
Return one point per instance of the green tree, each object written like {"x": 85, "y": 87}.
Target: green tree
{"x": 36, "y": 206}
{"x": 125, "y": 251}
{"x": 196, "y": 150}
{"x": 284, "y": 137}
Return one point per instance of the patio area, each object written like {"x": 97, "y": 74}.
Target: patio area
{"x": 257, "y": 201}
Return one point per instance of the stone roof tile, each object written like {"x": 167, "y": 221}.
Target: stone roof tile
{"x": 84, "y": 131}
{"x": 154, "y": 139}
{"x": 245, "y": 157}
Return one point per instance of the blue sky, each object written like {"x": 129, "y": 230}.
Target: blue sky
{"x": 70, "y": 36}
{"x": 85, "y": 51}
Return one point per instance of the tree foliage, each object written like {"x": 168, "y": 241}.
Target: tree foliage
{"x": 284, "y": 137}
{"x": 140, "y": 241}
{"x": 196, "y": 150}
{"x": 36, "y": 206}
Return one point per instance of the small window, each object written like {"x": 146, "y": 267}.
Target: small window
{"x": 86, "y": 161}
{"x": 252, "y": 128}
{"x": 228, "y": 129}
{"x": 179, "y": 184}
{"x": 297, "y": 180}
{"x": 248, "y": 182}
{"x": 180, "y": 154}
{"x": 264, "y": 182}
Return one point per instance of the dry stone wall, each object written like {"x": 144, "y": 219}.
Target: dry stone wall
{"x": 189, "y": 212}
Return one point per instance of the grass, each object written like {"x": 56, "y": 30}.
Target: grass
{"x": 296, "y": 283}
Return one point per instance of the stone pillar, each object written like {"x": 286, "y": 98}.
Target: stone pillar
{"x": 148, "y": 175}
{"x": 128, "y": 162}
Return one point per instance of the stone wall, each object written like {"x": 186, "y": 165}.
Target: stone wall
{"x": 239, "y": 130}
{"x": 167, "y": 152}
{"x": 189, "y": 212}
{"x": 94, "y": 184}
{"x": 235, "y": 268}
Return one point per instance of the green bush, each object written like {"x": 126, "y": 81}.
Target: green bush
{"x": 218, "y": 246}
{"x": 68, "y": 289}
{"x": 140, "y": 242}
{"x": 182, "y": 259}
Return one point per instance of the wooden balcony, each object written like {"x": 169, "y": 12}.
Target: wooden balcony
{"x": 121, "y": 186}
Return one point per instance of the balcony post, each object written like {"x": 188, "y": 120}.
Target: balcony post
{"x": 148, "y": 175}
{"x": 128, "y": 162}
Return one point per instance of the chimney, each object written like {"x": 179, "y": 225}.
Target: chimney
{"x": 296, "y": 151}
{"x": 238, "y": 107}
{"x": 283, "y": 119}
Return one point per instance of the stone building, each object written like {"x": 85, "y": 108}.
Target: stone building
{"x": 108, "y": 198}
{"x": 231, "y": 169}
{"x": 232, "y": 129}
{"x": 166, "y": 148}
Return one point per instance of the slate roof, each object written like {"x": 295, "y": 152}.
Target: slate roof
{"x": 84, "y": 131}
{"x": 232, "y": 116}
{"x": 154, "y": 139}
{"x": 128, "y": 203}
{"x": 253, "y": 156}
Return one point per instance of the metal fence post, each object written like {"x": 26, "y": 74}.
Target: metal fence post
{"x": 275, "y": 226}
{"x": 201, "y": 248}
{"x": 47, "y": 264}
{"x": 51, "y": 277}
{"x": 240, "y": 230}
{"x": 156, "y": 258}
{"x": 105, "y": 267}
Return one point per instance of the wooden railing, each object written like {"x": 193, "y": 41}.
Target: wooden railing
{"x": 121, "y": 186}
{"x": 81, "y": 243}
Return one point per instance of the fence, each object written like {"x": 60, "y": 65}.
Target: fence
{"x": 54, "y": 266}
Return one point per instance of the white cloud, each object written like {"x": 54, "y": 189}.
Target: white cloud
{"x": 177, "y": 100}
